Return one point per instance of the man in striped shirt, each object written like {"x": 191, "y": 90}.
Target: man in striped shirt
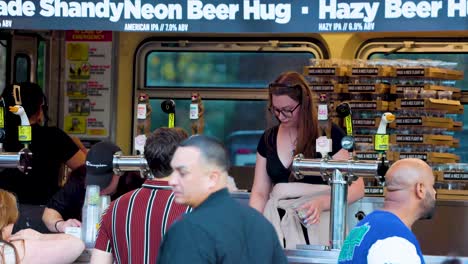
{"x": 133, "y": 226}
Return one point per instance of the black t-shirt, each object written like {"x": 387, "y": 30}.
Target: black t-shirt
{"x": 275, "y": 169}
{"x": 221, "y": 230}
{"x": 51, "y": 148}
{"x": 69, "y": 200}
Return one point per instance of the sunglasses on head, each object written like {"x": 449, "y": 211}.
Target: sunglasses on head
{"x": 283, "y": 85}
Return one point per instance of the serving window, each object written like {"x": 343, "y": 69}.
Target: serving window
{"x": 231, "y": 78}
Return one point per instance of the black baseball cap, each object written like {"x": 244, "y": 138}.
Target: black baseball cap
{"x": 99, "y": 167}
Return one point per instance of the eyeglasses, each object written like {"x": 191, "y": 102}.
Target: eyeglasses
{"x": 286, "y": 113}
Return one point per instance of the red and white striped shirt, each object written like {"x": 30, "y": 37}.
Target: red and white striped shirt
{"x": 134, "y": 224}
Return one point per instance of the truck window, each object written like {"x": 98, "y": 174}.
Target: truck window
{"x": 230, "y": 77}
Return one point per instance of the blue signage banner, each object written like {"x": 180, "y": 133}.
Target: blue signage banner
{"x": 237, "y": 16}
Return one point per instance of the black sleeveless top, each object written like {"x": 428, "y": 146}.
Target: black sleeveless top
{"x": 276, "y": 170}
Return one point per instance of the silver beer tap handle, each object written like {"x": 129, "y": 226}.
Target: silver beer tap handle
{"x": 317, "y": 167}
{"x": 122, "y": 164}
{"x": 21, "y": 160}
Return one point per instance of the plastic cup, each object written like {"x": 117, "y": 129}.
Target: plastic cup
{"x": 302, "y": 214}
{"x": 92, "y": 194}
{"x": 105, "y": 201}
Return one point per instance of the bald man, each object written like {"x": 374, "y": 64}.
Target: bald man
{"x": 385, "y": 236}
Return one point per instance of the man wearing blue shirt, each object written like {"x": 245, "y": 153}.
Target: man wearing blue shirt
{"x": 385, "y": 236}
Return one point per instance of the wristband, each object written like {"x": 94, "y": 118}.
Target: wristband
{"x": 58, "y": 221}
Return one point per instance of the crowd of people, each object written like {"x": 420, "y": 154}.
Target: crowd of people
{"x": 184, "y": 212}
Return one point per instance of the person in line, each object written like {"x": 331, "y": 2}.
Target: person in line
{"x": 384, "y": 236}
{"x": 65, "y": 207}
{"x": 132, "y": 228}
{"x": 219, "y": 229}
{"x": 292, "y": 104}
{"x": 29, "y": 246}
{"x": 51, "y": 148}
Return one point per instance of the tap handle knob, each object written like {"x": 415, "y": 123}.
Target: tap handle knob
{"x": 343, "y": 110}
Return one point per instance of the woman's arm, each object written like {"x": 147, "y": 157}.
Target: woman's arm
{"x": 342, "y": 154}
{"x": 261, "y": 187}
{"x": 34, "y": 247}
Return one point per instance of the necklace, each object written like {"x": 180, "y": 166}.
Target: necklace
{"x": 293, "y": 142}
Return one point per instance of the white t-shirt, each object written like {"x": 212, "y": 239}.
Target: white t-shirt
{"x": 380, "y": 253}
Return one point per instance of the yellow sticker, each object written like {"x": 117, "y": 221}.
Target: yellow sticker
{"x": 96, "y": 132}
{"x": 2, "y": 122}
{"x": 171, "y": 120}
{"x": 349, "y": 125}
{"x": 381, "y": 142}
{"x": 24, "y": 133}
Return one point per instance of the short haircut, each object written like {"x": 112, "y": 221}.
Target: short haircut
{"x": 211, "y": 149}
{"x": 160, "y": 147}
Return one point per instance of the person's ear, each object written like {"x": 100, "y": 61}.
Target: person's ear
{"x": 420, "y": 190}
{"x": 214, "y": 178}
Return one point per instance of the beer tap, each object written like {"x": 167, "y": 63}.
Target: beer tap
{"x": 122, "y": 164}
{"x": 323, "y": 143}
{"x": 168, "y": 107}
{"x": 340, "y": 173}
{"x": 24, "y": 129}
{"x": 24, "y": 132}
{"x": 347, "y": 142}
{"x": 381, "y": 145}
{"x": 2, "y": 123}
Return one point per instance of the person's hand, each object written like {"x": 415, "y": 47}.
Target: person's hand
{"x": 60, "y": 226}
{"x": 312, "y": 210}
{"x": 26, "y": 234}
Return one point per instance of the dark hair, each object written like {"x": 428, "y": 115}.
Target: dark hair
{"x": 160, "y": 147}
{"x": 212, "y": 150}
{"x": 296, "y": 87}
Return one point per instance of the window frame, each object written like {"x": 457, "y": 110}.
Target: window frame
{"x": 415, "y": 46}
{"x": 6, "y": 43}
{"x": 313, "y": 46}
{"x": 27, "y": 57}
{"x": 214, "y": 46}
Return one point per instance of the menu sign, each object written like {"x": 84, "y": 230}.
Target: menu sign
{"x": 88, "y": 87}
{"x": 455, "y": 176}
{"x": 237, "y": 16}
